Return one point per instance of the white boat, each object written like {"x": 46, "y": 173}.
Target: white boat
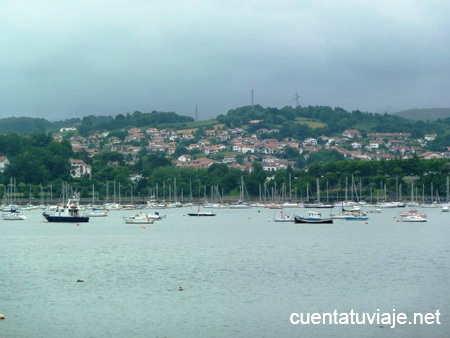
{"x": 155, "y": 205}
{"x": 29, "y": 207}
{"x": 413, "y": 216}
{"x": 391, "y": 205}
{"x": 139, "y": 218}
{"x": 445, "y": 208}
{"x": 113, "y": 206}
{"x": 215, "y": 205}
{"x": 13, "y": 215}
{"x": 156, "y": 216}
{"x": 240, "y": 205}
{"x": 97, "y": 213}
{"x": 283, "y": 217}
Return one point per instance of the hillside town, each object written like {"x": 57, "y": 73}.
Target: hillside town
{"x": 238, "y": 148}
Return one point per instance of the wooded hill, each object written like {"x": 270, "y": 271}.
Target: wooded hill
{"x": 425, "y": 114}
{"x": 292, "y": 122}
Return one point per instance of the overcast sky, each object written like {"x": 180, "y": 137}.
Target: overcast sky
{"x": 62, "y": 59}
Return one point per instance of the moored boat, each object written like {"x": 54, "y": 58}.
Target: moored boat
{"x": 139, "y": 218}
{"x": 70, "y": 213}
{"x": 356, "y": 217}
{"x": 201, "y": 213}
{"x": 13, "y": 215}
{"x": 283, "y": 217}
{"x": 97, "y": 213}
{"x": 413, "y": 216}
{"x": 313, "y": 217}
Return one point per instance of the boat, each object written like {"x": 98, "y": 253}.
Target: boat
{"x": 70, "y": 213}
{"x": 356, "y": 217}
{"x": 353, "y": 214}
{"x": 156, "y": 216}
{"x": 391, "y": 205}
{"x": 13, "y": 215}
{"x": 139, "y": 218}
{"x": 318, "y": 205}
{"x": 413, "y": 216}
{"x": 98, "y": 213}
{"x": 313, "y": 217}
{"x": 283, "y": 217}
{"x": 241, "y": 204}
{"x": 201, "y": 213}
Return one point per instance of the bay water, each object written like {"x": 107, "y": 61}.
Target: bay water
{"x": 242, "y": 275}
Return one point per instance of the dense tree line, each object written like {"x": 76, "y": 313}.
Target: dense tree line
{"x": 336, "y": 120}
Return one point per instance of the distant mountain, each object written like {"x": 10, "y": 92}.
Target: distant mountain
{"x": 424, "y": 114}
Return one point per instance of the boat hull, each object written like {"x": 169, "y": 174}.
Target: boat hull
{"x": 201, "y": 214}
{"x": 149, "y": 221}
{"x": 356, "y": 218}
{"x": 66, "y": 219}
{"x": 298, "y": 219}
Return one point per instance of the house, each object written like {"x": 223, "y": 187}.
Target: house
{"x": 185, "y": 158}
{"x": 62, "y": 130}
{"x": 4, "y": 163}
{"x": 136, "y": 177}
{"x": 356, "y": 145}
{"x": 310, "y": 141}
{"x": 375, "y": 144}
{"x": 447, "y": 152}
{"x": 229, "y": 159}
{"x": 351, "y": 133}
{"x": 78, "y": 168}
{"x": 202, "y": 162}
{"x": 428, "y": 155}
{"x": 430, "y": 137}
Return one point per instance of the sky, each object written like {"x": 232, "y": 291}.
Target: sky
{"x": 64, "y": 59}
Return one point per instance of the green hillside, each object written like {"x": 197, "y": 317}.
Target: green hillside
{"x": 424, "y": 114}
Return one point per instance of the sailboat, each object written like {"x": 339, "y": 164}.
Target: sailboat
{"x": 95, "y": 211}
{"x": 318, "y": 204}
{"x": 201, "y": 213}
{"x": 198, "y": 212}
{"x": 11, "y": 212}
{"x": 241, "y": 204}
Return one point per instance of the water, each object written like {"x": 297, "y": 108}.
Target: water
{"x": 242, "y": 275}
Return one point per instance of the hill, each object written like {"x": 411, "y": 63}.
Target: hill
{"x": 424, "y": 114}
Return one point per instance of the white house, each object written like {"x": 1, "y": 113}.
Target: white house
{"x": 4, "y": 163}
{"x": 375, "y": 144}
{"x": 356, "y": 145}
{"x": 78, "y": 168}
{"x": 185, "y": 158}
{"x": 62, "y": 130}
{"x": 310, "y": 141}
{"x": 136, "y": 177}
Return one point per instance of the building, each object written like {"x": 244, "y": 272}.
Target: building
{"x": 78, "y": 168}
{"x": 4, "y": 163}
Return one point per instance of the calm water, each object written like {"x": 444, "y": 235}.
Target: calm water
{"x": 242, "y": 274}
